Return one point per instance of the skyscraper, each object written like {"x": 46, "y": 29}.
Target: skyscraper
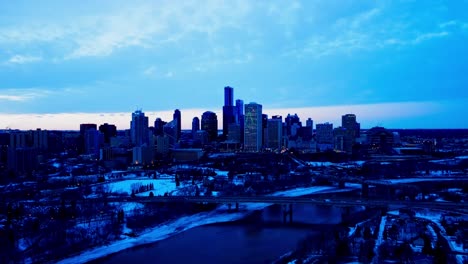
{"x": 93, "y": 140}
{"x": 228, "y": 96}
{"x": 209, "y": 123}
{"x": 170, "y": 131}
{"x": 83, "y": 128}
{"x": 178, "y": 119}
{"x": 264, "y": 130}
{"x": 310, "y": 123}
{"x": 324, "y": 136}
{"x": 275, "y": 129}
{"x": 195, "y": 125}
{"x": 351, "y": 131}
{"x": 290, "y": 120}
{"x": 240, "y": 118}
{"x": 158, "y": 127}
{"x": 108, "y": 131}
{"x": 239, "y": 110}
{"x": 139, "y": 128}
{"x": 253, "y": 127}
{"x": 228, "y": 109}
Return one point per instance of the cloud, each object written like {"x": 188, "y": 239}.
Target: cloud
{"x": 368, "y": 30}
{"x": 144, "y": 25}
{"x": 212, "y": 61}
{"x": 152, "y": 72}
{"x": 428, "y": 36}
{"x": 448, "y": 24}
{"x": 169, "y": 74}
{"x": 33, "y": 33}
{"x": 286, "y": 14}
{"x": 23, "y": 59}
{"x": 22, "y": 95}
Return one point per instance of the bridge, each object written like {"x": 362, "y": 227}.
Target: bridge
{"x": 285, "y": 200}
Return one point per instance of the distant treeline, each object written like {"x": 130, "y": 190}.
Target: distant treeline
{"x": 436, "y": 133}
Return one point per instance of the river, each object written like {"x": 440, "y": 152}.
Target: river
{"x": 262, "y": 237}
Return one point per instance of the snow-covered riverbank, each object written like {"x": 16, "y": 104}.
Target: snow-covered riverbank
{"x": 219, "y": 215}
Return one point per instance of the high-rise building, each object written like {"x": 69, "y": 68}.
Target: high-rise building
{"x": 228, "y": 96}
{"x": 158, "y": 127}
{"x": 264, "y": 130}
{"x": 139, "y": 132}
{"x": 310, "y": 123}
{"x": 177, "y": 116}
{"x": 351, "y": 131}
{"x": 162, "y": 145}
{"x": 229, "y": 109}
{"x": 240, "y": 117}
{"x": 93, "y": 141}
{"x": 290, "y": 120}
{"x": 81, "y": 139}
{"x": 253, "y": 127}
{"x": 234, "y": 133}
{"x": 239, "y": 110}
{"x": 108, "y": 131}
{"x": 18, "y": 139}
{"x": 209, "y": 123}
{"x": 195, "y": 125}
{"x": 84, "y": 127}
{"x": 324, "y": 136}
{"x": 339, "y": 138}
{"x": 170, "y": 131}
{"x": 275, "y": 133}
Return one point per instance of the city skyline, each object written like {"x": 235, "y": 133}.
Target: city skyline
{"x": 369, "y": 116}
{"x": 393, "y": 64}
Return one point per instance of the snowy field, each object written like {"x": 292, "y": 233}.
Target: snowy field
{"x": 219, "y": 215}
{"x": 161, "y": 186}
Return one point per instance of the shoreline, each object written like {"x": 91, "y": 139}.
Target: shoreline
{"x": 174, "y": 227}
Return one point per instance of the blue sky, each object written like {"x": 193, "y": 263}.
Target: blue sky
{"x": 399, "y": 64}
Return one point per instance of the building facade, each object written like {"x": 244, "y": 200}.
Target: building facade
{"x": 275, "y": 134}
{"x": 229, "y": 110}
{"x": 139, "y": 128}
{"x": 324, "y": 136}
{"x": 253, "y": 128}
{"x": 209, "y": 123}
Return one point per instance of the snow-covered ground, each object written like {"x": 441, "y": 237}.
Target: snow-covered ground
{"x": 328, "y": 164}
{"x": 161, "y": 186}
{"x": 352, "y": 229}
{"x": 221, "y": 214}
{"x": 383, "y": 222}
{"x": 410, "y": 180}
{"x": 435, "y": 217}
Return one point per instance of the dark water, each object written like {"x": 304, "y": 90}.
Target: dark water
{"x": 260, "y": 238}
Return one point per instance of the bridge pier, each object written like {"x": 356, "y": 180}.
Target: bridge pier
{"x": 341, "y": 184}
{"x": 365, "y": 190}
{"x": 230, "y": 207}
{"x": 287, "y": 211}
{"x": 345, "y": 214}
